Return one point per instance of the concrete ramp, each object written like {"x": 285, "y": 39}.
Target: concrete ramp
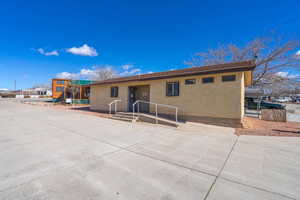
{"x": 143, "y": 117}
{"x": 157, "y": 120}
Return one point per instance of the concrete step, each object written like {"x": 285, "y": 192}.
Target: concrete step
{"x": 122, "y": 118}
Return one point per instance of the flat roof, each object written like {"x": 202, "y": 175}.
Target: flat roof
{"x": 209, "y": 69}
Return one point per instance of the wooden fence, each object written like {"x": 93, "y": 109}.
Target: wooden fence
{"x": 277, "y": 115}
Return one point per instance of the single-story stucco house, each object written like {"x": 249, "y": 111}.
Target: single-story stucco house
{"x": 212, "y": 94}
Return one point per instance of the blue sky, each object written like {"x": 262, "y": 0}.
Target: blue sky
{"x": 140, "y": 35}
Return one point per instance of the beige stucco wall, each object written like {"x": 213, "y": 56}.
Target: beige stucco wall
{"x": 218, "y": 99}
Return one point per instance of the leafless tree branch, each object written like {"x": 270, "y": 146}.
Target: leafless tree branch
{"x": 272, "y": 55}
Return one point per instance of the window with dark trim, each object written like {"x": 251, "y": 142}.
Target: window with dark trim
{"x": 59, "y": 89}
{"x": 228, "y": 78}
{"x": 208, "y": 80}
{"x": 61, "y": 82}
{"x": 190, "y": 81}
{"x": 114, "y": 91}
{"x": 172, "y": 89}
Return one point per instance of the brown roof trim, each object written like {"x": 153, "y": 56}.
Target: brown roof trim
{"x": 61, "y": 79}
{"x": 212, "y": 69}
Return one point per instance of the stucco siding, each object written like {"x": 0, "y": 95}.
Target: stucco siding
{"x": 218, "y": 99}
{"x": 100, "y": 97}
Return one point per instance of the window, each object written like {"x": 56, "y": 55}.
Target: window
{"x": 228, "y": 78}
{"x": 61, "y": 82}
{"x": 59, "y": 89}
{"x": 190, "y": 81}
{"x": 208, "y": 80}
{"x": 172, "y": 89}
{"x": 114, "y": 91}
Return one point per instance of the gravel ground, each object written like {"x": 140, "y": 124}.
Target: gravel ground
{"x": 255, "y": 126}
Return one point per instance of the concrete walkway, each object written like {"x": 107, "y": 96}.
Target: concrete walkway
{"x": 293, "y": 114}
{"x": 55, "y": 154}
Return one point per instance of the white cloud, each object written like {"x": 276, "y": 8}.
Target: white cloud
{"x": 49, "y": 53}
{"x": 84, "y": 50}
{"x": 89, "y": 74}
{"x": 134, "y": 71}
{"x": 126, "y": 67}
{"x": 297, "y": 54}
{"x": 130, "y": 72}
{"x": 100, "y": 72}
{"x": 96, "y": 73}
{"x": 282, "y": 74}
{"x": 52, "y": 53}
{"x": 287, "y": 75}
{"x": 67, "y": 75}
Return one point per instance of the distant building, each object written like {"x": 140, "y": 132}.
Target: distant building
{"x": 76, "y": 90}
{"x": 36, "y": 92}
{"x": 43, "y": 91}
{"x": 3, "y": 90}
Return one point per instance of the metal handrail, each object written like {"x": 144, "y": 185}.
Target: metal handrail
{"x": 113, "y": 102}
{"x": 156, "y": 109}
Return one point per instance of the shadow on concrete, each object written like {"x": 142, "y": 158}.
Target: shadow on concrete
{"x": 286, "y": 131}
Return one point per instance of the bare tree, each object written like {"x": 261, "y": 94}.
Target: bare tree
{"x": 104, "y": 73}
{"x": 73, "y": 92}
{"x": 271, "y": 54}
{"x": 277, "y": 85}
{"x": 98, "y": 74}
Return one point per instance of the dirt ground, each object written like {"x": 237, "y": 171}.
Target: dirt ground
{"x": 83, "y": 108}
{"x": 252, "y": 126}
{"x": 255, "y": 126}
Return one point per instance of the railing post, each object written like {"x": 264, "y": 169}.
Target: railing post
{"x": 156, "y": 109}
{"x": 115, "y": 107}
{"x": 156, "y": 114}
{"x": 109, "y": 109}
{"x": 176, "y": 115}
{"x": 133, "y": 105}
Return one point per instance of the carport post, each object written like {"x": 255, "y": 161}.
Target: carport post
{"x": 156, "y": 113}
{"x": 176, "y": 115}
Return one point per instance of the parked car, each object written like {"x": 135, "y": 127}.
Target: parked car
{"x": 252, "y": 104}
{"x": 296, "y": 99}
{"x": 283, "y": 99}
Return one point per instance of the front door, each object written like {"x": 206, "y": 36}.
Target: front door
{"x": 143, "y": 94}
{"x": 132, "y": 98}
{"x": 139, "y": 93}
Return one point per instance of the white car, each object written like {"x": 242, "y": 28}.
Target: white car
{"x": 283, "y": 99}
